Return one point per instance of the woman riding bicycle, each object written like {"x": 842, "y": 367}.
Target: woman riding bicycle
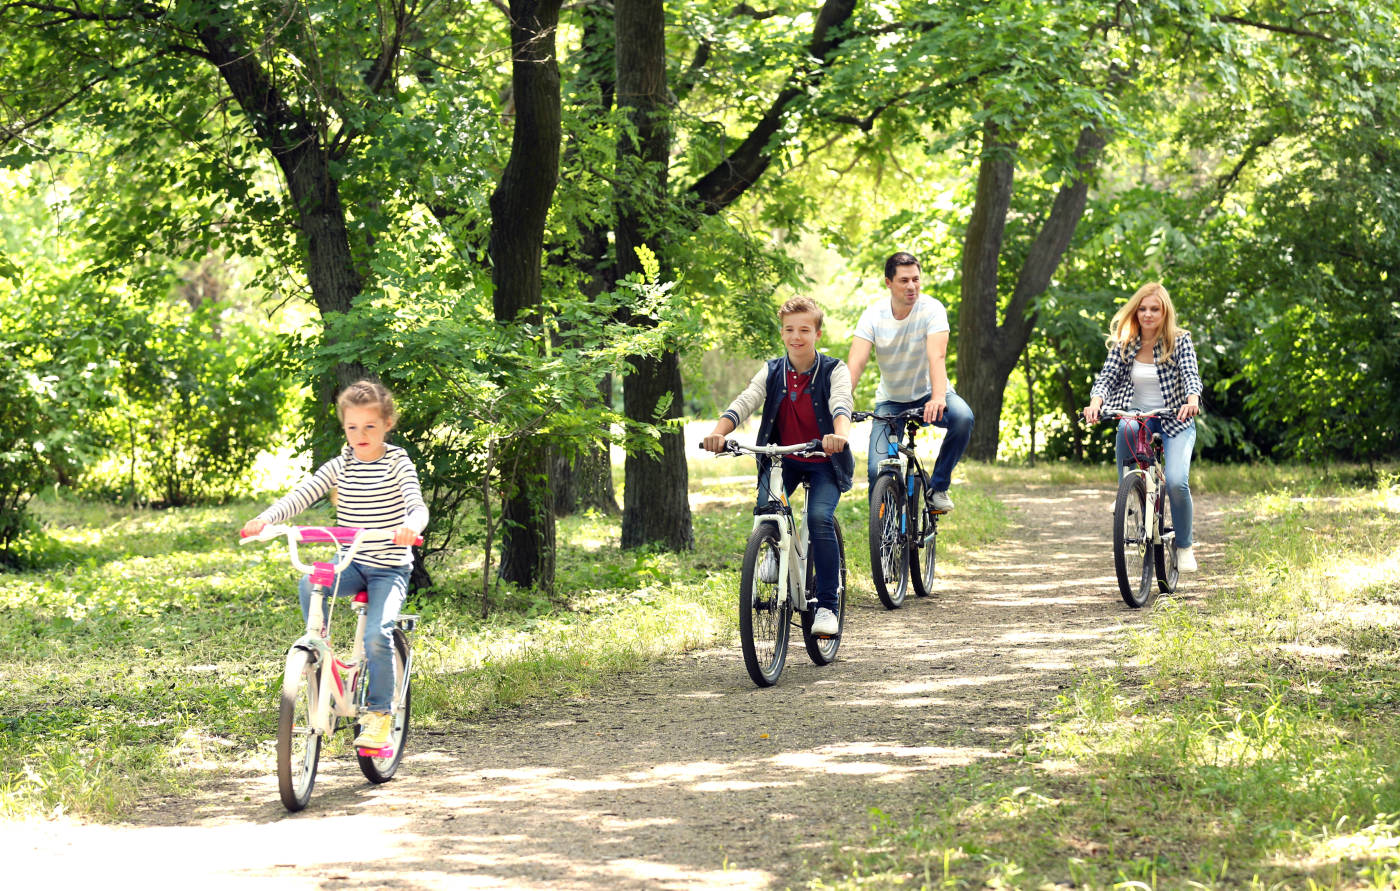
{"x": 1151, "y": 365}
{"x": 805, "y": 396}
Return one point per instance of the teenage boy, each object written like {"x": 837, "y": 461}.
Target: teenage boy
{"x": 805, "y": 396}
{"x": 908, "y": 332}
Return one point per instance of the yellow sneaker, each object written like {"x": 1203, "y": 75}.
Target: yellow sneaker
{"x": 375, "y": 728}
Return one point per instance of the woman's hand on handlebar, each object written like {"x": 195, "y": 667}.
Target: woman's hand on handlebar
{"x": 1091, "y": 411}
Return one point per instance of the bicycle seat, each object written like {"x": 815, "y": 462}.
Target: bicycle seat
{"x": 362, "y": 597}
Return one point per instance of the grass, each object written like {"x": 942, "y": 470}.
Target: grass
{"x": 1246, "y": 741}
{"x": 148, "y": 652}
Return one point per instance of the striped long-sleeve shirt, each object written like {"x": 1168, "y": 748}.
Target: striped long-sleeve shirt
{"x": 381, "y": 494}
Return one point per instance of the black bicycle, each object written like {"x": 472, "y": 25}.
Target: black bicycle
{"x": 903, "y": 525}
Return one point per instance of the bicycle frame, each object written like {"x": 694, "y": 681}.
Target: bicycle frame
{"x": 793, "y": 544}
{"x": 336, "y": 679}
{"x": 899, "y": 455}
{"x": 1146, "y": 449}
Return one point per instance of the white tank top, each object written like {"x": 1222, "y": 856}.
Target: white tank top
{"x": 1147, "y": 389}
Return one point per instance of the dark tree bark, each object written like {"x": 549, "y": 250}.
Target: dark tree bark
{"x": 586, "y": 483}
{"x": 988, "y": 351}
{"x": 518, "y": 209}
{"x": 656, "y": 505}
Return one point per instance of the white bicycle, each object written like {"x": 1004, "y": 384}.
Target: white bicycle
{"x": 318, "y": 689}
{"x": 779, "y": 580}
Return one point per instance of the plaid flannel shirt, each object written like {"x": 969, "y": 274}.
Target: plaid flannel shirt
{"x": 1178, "y": 376}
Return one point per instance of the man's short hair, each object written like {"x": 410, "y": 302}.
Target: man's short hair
{"x": 903, "y": 258}
{"x": 802, "y": 304}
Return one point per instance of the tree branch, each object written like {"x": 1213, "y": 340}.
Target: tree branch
{"x": 1277, "y": 29}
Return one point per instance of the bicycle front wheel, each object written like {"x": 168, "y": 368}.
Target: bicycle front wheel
{"x": 381, "y": 768}
{"x": 765, "y": 612}
{"x": 923, "y": 550}
{"x": 822, "y": 650}
{"x": 298, "y": 744}
{"x": 1164, "y": 555}
{"x": 889, "y": 546}
{"x": 1132, "y": 552}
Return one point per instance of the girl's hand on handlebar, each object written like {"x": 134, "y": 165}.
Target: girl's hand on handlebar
{"x": 713, "y": 442}
{"x": 833, "y": 443}
{"x": 253, "y": 527}
{"x": 404, "y": 536}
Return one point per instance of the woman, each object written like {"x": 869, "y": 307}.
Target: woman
{"x": 1151, "y": 365}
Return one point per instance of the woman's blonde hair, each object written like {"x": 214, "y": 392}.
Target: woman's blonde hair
{"x": 364, "y": 393}
{"x": 1124, "y": 328}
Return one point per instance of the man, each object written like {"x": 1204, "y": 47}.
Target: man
{"x": 908, "y": 332}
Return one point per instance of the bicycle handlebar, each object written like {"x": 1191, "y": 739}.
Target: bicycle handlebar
{"x": 909, "y": 414}
{"x": 811, "y": 449}
{"x": 352, "y": 538}
{"x": 1114, "y": 414}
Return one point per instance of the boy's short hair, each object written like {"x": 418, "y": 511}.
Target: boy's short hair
{"x": 903, "y": 258}
{"x": 801, "y": 304}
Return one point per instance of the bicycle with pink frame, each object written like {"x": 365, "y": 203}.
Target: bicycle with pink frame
{"x": 320, "y": 692}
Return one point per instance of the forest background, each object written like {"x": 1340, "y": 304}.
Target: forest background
{"x": 555, "y": 230}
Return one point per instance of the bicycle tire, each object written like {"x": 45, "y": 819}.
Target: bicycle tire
{"x": 298, "y": 745}
{"x": 765, "y": 612}
{"x": 822, "y": 650}
{"x": 923, "y": 555}
{"x": 889, "y": 546}
{"x": 1132, "y": 555}
{"x": 382, "y": 770}
{"x": 1164, "y": 555}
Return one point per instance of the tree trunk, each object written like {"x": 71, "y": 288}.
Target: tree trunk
{"x": 587, "y": 482}
{"x": 518, "y": 209}
{"x": 988, "y": 351}
{"x": 655, "y": 500}
{"x": 656, "y": 504}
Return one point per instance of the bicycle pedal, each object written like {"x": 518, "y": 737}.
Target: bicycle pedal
{"x": 836, "y": 636}
{"x": 385, "y": 752}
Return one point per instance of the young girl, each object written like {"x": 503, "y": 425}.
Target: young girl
{"x": 378, "y": 489}
{"x": 805, "y": 396}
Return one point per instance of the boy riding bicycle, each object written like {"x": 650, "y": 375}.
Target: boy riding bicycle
{"x": 377, "y": 487}
{"x": 805, "y": 396}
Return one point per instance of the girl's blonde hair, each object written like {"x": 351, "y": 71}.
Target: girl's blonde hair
{"x": 364, "y": 393}
{"x": 1124, "y": 328}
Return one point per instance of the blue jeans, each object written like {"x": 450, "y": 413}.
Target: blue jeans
{"x": 957, "y": 420}
{"x": 1176, "y": 466}
{"x": 387, "y": 587}
{"x": 822, "y": 496}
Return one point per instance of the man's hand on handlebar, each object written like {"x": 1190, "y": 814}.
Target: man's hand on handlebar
{"x": 933, "y": 409}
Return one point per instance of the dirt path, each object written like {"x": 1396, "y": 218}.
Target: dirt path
{"x": 686, "y": 776}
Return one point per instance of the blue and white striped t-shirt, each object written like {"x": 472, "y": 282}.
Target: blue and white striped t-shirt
{"x": 901, "y": 346}
{"x": 382, "y": 494}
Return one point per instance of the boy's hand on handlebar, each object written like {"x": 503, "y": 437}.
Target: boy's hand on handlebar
{"x": 833, "y": 443}
{"x": 253, "y": 527}
{"x": 713, "y": 442}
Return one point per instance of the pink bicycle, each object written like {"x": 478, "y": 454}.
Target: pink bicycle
{"x": 320, "y": 692}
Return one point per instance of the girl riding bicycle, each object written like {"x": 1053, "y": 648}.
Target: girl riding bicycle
{"x": 377, "y": 488}
{"x": 805, "y": 396}
{"x": 1151, "y": 365}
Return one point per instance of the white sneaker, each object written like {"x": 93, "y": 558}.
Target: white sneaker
{"x": 940, "y": 501}
{"x": 1185, "y": 560}
{"x": 825, "y": 623}
{"x": 768, "y": 567}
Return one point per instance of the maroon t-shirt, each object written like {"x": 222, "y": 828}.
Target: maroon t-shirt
{"x": 797, "y": 420}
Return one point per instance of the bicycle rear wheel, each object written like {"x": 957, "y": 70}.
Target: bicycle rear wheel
{"x": 1132, "y": 554}
{"x": 889, "y": 546}
{"x": 923, "y": 549}
{"x": 765, "y": 612}
{"x": 381, "y": 768}
{"x": 822, "y": 650}
{"x": 298, "y": 744}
